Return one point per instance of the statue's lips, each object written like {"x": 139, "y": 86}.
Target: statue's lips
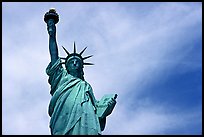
{"x": 75, "y": 68}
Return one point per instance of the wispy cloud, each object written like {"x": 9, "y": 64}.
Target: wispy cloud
{"x": 150, "y": 119}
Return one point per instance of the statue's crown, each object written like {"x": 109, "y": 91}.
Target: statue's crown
{"x": 75, "y": 54}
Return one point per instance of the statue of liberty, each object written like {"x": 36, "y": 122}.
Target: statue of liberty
{"x": 73, "y": 107}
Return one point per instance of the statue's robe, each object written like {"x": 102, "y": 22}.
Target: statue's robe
{"x": 72, "y": 107}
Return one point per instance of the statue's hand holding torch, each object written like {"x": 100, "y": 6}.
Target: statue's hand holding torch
{"x": 51, "y": 18}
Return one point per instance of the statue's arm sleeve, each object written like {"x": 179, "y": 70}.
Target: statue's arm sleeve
{"x": 95, "y": 102}
{"x": 54, "y": 71}
{"x": 93, "y": 99}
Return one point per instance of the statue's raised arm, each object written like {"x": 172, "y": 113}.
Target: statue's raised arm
{"x": 51, "y": 18}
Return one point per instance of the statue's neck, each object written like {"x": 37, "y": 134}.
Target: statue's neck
{"x": 77, "y": 74}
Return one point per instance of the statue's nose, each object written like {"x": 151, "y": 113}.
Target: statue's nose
{"x": 75, "y": 63}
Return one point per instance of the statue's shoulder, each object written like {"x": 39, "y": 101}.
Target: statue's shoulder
{"x": 85, "y": 83}
{"x": 88, "y": 85}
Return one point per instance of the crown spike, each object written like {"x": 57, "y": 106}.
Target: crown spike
{"x": 63, "y": 58}
{"x": 88, "y": 63}
{"x": 82, "y": 51}
{"x": 74, "y": 48}
{"x": 65, "y": 50}
{"x": 87, "y": 57}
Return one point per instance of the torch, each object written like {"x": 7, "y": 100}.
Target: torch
{"x": 51, "y": 18}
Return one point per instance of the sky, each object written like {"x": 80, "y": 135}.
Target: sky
{"x": 150, "y": 54}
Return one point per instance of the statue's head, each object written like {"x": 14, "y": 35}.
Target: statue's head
{"x": 74, "y": 63}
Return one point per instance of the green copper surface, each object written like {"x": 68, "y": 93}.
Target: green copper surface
{"x": 73, "y": 108}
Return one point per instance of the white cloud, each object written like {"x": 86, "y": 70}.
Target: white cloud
{"x": 149, "y": 119}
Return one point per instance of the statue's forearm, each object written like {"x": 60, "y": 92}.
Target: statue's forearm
{"x": 52, "y": 40}
{"x": 53, "y": 49}
{"x": 51, "y": 18}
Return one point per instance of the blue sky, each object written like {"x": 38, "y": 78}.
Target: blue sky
{"x": 150, "y": 54}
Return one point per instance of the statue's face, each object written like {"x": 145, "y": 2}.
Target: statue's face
{"x": 74, "y": 64}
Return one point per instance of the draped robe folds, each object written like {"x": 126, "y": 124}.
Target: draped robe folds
{"x": 73, "y": 105}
